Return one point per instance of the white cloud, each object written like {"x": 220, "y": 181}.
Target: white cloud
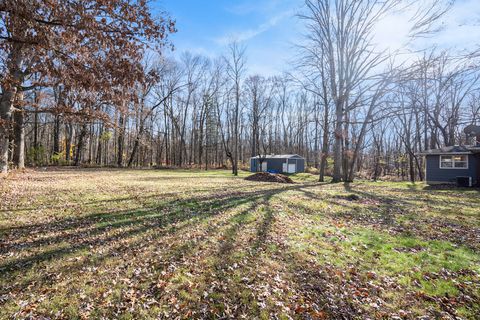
{"x": 460, "y": 27}
{"x": 242, "y": 36}
{"x": 459, "y": 31}
{"x": 391, "y": 33}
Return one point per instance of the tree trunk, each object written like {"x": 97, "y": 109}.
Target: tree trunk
{"x": 35, "y": 133}
{"x": 69, "y": 130}
{"x": 323, "y": 161}
{"x": 347, "y": 152}
{"x": 99, "y": 146}
{"x": 136, "y": 143}
{"x": 337, "y": 149}
{"x": 19, "y": 138}
{"x": 121, "y": 125}
{"x": 90, "y": 144}
{"x": 7, "y": 102}
{"x": 56, "y": 135}
{"x": 419, "y": 168}
{"x": 6, "y": 106}
{"x": 235, "y": 131}
{"x": 134, "y": 151}
{"x": 315, "y": 142}
{"x": 411, "y": 167}
{"x": 81, "y": 142}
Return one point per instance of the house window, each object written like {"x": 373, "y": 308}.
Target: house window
{"x": 454, "y": 162}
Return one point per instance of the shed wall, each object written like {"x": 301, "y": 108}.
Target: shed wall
{"x": 301, "y": 165}
{"x": 253, "y": 165}
{"x": 276, "y": 164}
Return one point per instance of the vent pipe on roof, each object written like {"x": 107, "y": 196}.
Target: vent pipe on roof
{"x": 473, "y": 131}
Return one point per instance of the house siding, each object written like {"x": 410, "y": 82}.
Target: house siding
{"x": 435, "y": 175}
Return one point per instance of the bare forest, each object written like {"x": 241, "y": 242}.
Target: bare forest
{"x": 101, "y": 88}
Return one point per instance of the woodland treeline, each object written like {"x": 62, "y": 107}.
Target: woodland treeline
{"x": 100, "y": 89}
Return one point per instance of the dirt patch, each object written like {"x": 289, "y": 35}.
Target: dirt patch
{"x": 269, "y": 177}
{"x": 348, "y": 197}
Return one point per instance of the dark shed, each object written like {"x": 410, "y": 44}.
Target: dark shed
{"x": 449, "y": 164}
{"x": 285, "y": 163}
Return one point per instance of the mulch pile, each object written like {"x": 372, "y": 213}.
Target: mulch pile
{"x": 349, "y": 197}
{"x": 269, "y": 177}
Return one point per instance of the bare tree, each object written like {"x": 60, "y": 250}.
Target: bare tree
{"x": 236, "y": 68}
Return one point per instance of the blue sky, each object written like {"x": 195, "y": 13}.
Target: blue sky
{"x": 269, "y": 29}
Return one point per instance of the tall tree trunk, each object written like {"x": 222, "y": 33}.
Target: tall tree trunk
{"x": 99, "y": 145}
{"x": 235, "y": 133}
{"x": 419, "y": 168}
{"x": 19, "y": 137}
{"x": 326, "y": 133}
{"x": 68, "y": 145}
{"x": 81, "y": 143}
{"x": 346, "y": 152}
{"x": 35, "y": 132}
{"x": 326, "y": 128}
{"x": 411, "y": 167}
{"x": 135, "y": 146}
{"x": 315, "y": 142}
{"x": 136, "y": 143}
{"x": 337, "y": 149}
{"x": 90, "y": 144}
{"x": 56, "y": 135}
{"x": 6, "y": 107}
{"x": 7, "y": 100}
{"x": 121, "y": 125}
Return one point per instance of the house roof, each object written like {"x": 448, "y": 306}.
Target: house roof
{"x": 279, "y": 156}
{"x": 452, "y": 150}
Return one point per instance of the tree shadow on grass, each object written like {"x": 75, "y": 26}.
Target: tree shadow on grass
{"x": 155, "y": 196}
{"x": 69, "y": 236}
{"x": 400, "y": 198}
{"x": 230, "y": 277}
{"x": 145, "y": 225}
{"x": 329, "y": 291}
{"x": 258, "y": 291}
{"x": 388, "y": 214}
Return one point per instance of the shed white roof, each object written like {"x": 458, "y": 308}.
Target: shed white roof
{"x": 279, "y": 156}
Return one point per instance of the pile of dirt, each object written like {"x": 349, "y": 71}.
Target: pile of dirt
{"x": 348, "y": 197}
{"x": 269, "y": 177}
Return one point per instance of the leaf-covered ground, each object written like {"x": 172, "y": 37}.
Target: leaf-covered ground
{"x": 123, "y": 244}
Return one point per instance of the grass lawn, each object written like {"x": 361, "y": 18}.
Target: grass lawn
{"x": 139, "y": 244}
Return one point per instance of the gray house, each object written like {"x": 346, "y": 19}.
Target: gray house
{"x": 285, "y": 163}
{"x": 453, "y": 165}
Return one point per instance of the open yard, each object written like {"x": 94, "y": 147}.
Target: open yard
{"x": 108, "y": 243}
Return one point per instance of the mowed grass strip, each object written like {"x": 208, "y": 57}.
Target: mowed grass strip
{"x": 93, "y": 243}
